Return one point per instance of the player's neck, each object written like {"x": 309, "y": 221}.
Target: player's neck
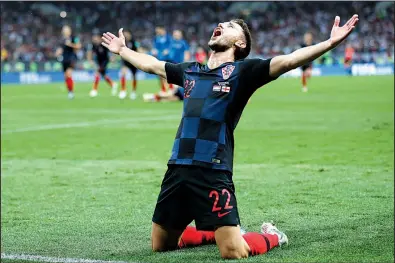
{"x": 216, "y": 59}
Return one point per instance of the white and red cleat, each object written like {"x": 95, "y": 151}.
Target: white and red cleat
{"x": 270, "y": 228}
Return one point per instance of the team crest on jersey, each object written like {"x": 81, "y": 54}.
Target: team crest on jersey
{"x": 227, "y": 71}
{"x": 188, "y": 86}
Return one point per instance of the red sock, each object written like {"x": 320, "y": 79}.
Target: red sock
{"x": 157, "y": 97}
{"x": 96, "y": 82}
{"x": 260, "y": 243}
{"x": 109, "y": 81}
{"x": 171, "y": 87}
{"x": 69, "y": 84}
{"x": 134, "y": 84}
{"x": 304, "y": 82}
{"x": 162, "y": 85}
{"x": 193, "y": 237}
{"x": 123, "y": 83}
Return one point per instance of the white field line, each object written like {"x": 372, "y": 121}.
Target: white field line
{"x": 89, "y": 124}
{"x": 55, "y": 259}
{"x": 89, "y": 110}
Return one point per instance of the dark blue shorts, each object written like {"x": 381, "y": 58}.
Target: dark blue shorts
{"x": 68, "y": 64}
{"x": 132, "y": 68}
{"x": 196, "y": 193}
{"x": 102, "y": 67}
{"x": 307, "y": 66}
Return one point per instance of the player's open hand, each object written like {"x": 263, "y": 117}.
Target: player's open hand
{"x": 113, "y": 43}
{"x": 338, "y": 34}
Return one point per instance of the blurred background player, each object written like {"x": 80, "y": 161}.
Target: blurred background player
{"x": 179, "y": 48}
{"x": 201, "y": 55}
{"x": 133, "y": 45}
{"x": 348, "y": 54}
{"x": 102, "y": 57}
{"x": 69, "y": 46}
{"x": 161, "y": 49}
{"x": 177, "y": 95}
{"x": 179, "y": 52}
{"x": 307, "y": 68}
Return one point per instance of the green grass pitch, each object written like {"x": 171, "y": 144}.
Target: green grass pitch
{"x": 80, "y": 178}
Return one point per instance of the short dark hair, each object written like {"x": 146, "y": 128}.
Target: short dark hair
{"x": 241, "y": 53}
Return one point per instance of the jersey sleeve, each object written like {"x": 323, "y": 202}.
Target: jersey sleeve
{"x": 256, "y": 72}
{"x": 175, "y": 73}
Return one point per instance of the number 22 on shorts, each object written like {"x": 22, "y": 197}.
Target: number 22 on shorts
{"x": 216, "y": 208}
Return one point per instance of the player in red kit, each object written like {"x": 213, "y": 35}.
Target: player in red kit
{"x": 198, "y": 184}
{"x": 70, "y": 44}
{"x": 348, "y": 54}
{"x": 101, "y": 56}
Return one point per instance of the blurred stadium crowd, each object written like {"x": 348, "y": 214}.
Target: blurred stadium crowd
{"x": 30, "y": 31}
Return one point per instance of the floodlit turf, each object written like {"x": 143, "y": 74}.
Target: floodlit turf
{"x": 80, "y": 178}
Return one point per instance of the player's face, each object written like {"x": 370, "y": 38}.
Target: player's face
{"x": 127, "y": 35}
{"x": 177, "y": 34}
{"x": 66, "y": 31}
{"x": 225, "y": 35}
{"x": 308, "y": 39}
{"x": 96, "y": 39}
{"x": 160, "y": 31}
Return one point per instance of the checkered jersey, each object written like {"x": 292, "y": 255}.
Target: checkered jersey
{"x": 213, "y": 102}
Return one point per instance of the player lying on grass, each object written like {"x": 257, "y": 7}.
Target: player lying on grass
{"x": 176, "y": 95}
{"x": 198, "y": 183}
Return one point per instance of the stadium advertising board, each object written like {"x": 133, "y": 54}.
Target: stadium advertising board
{"x": 87, "y": 76}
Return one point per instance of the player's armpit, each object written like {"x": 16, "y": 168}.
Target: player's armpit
{"x": 158, "y": 68}
{"x": 175, "y": 72}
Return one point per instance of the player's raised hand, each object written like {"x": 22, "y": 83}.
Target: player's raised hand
{"x": 113, "y": 43}
{"x": 338, "y": 34}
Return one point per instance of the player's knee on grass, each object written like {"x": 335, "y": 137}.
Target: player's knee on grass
{"x": 163, "y": 239}
{"x": 230, "y": 243}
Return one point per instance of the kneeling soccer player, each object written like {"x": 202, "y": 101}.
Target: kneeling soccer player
{"x": 198, "y": 184}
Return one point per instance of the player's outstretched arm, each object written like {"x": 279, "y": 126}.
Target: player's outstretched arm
{"x": 284, "y": 63}
{"x": 141, "y": 61}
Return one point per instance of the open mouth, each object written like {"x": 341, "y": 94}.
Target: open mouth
{"x": 217, "y": 32}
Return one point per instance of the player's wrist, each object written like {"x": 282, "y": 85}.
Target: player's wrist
{"x": 329, "y": 44}
{"x": 122, "y": 50}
